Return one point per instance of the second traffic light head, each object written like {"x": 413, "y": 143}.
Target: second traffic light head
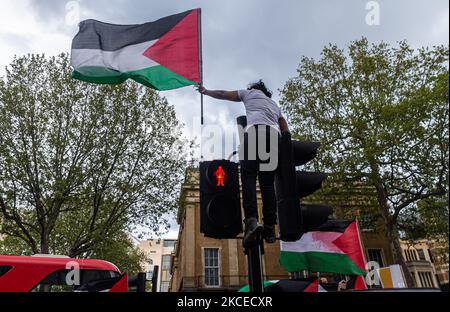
{"x": 304, "y": 151}
{"x": 313, "y": 216}
{"x": 309, "y": 182}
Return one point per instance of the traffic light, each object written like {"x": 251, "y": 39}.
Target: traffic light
{"x": 295, "y": 218}
{"x": 220, "y": 204}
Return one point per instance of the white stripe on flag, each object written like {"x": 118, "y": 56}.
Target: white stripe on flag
{"x": 129, "y": 58}
{"x": 314, "y": 241}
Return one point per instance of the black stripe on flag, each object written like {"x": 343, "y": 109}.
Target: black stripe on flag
{"x": 110, "y": 37}
{"x": 335, "y": 226}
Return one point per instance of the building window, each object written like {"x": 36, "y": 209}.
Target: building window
{"x": 410, "y": 255}
{"x": 421, "y": 253}
{"x": 165, "y": 262}
{"x": 4, "y": 269}
{"x": 164, "y": 287}
{"x": 426, "y": 279}
{"x": 165, "y": 276}
{"x": 211, "y": 260}
{"x": 149, "y": 276}
{"x": 57, "y": 282}
{"x": 168, "y": 243}
{"x": 406, "y": 251}
{"x": 375, "y": 255}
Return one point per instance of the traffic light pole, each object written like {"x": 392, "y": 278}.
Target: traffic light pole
{"x": 254, "y": 254}
{"x": 255, "y": 250}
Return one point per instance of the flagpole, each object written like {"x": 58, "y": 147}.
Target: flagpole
{"x": 200, "y": 64}
{"x": 363, "y": 251}
{"x": 360, "y": 241}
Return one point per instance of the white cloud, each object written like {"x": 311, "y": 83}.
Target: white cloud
{"x": 21, "y": 32}
{"x": 439, "y": 29}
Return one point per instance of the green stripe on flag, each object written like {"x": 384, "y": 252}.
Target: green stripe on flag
{"x": 326, "y": 262}
{"x": 246, "y": 288}
{"x": 156, "y": 77}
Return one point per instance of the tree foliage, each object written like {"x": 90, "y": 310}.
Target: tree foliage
{"x": 82, "y": 163}
{"x": 428, "y": 219}
{"x": 117, "y": 248}
{"x": 381, "y": 114}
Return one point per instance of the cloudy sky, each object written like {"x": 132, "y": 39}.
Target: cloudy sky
{"x": 243, "y": 40}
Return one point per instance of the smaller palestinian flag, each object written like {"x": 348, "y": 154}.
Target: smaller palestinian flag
{"x": 315, "y": 287}
{"x": 266, "y": 284}
{"x": 335, "y": 247}
{"x": 163, "y": 55}
{"x": 304, "y": 285}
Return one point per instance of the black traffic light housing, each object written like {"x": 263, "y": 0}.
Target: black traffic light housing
{"x": 220, "y": 204}
{"x": 288, "y": 204}
{"x": 290, "y": 185}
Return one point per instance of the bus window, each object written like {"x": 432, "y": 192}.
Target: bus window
{"x": 56, "y": 281}
{"x": 4, "y": 269}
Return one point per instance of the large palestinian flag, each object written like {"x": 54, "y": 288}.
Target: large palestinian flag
{"x": 335, "y": 247}
{"x": 163, "y": 55}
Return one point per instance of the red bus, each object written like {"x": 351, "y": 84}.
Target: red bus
{"x": 48, "y": 273}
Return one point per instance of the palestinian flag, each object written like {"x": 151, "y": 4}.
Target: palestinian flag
{"x": 315, "y": 287}
{"x": 305, "y": 285}
{"x": 335, "y": 247}
{"x": 266, "y": 284}
{"x": 162, "y": 55}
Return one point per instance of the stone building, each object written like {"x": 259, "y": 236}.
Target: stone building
{"x": 428, "y": 263}
{"x": 159, "y": 253}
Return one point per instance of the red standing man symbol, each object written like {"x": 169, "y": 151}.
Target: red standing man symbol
{"x": 220, "y": 176}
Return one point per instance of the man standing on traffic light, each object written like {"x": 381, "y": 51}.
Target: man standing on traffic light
{"x": 263, "y": 119}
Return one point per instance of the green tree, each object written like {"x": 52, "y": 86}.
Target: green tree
{"x": 381, "y": 113}
{"x": 428, "y": 219}
{"x": 82, "y": 163}
{"x": 117, "y": 249}
{"x": 122, "y": 252}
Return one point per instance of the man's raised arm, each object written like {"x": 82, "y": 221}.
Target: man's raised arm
{"x": 220, "y": 94}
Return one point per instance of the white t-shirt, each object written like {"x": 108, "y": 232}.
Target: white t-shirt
{"x": 260, "y": 109}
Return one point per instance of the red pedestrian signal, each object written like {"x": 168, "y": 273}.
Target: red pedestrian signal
{"x": 220, "y": 176}
{"x": 220, "y": 202}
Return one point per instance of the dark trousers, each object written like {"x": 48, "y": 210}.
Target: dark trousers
{"x": 250, "y": 169}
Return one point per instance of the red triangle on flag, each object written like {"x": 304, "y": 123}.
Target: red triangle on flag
{"x": 350, "y": 243}
{"x": 313, "y": 287}
{"x": 360, "y": 284}
{"x": 178, "y": 49}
